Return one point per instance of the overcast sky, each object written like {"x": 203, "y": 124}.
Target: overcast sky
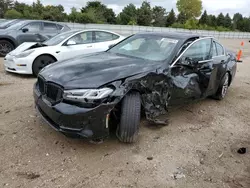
{"x": 212, "y": 6}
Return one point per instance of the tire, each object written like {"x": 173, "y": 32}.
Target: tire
{"x": 128, "y": 129}
{"x": 223, "y": 88}
{"x": 5, "y": 47}
{"x": 41, "y": 62}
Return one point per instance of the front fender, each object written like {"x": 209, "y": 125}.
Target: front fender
{"x": 154, "y": 88}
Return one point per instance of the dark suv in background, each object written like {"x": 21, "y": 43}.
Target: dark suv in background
{"x": 28, "y": 31}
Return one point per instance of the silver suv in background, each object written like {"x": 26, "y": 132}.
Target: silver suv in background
{"x": 28, "y": 31}
{"x": 4, "y": 24}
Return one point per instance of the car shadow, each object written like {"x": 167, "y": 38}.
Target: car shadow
{"x": 26, "y": 76}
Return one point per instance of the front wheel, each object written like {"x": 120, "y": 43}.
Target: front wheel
{"x": 128, "y": 129}
{"x": 5, "y": 47}
{"x": 41, "y": 62}
{"x": 223, "y": 88}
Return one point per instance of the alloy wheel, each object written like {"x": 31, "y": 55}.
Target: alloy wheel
{"x": 5, "y": 48}
{"x": 225, "y": 86}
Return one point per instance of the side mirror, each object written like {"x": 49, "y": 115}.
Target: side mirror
{"x": 71, "y": 42}
{"x": 111, "y": 46}
{"x": 24, "y": 30}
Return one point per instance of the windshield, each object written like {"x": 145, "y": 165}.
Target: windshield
{"x": 17, "y": 24}
{"x": 59, "y": 38}
{"x": 149, "y": 47}
{"x": 8, "y": 23}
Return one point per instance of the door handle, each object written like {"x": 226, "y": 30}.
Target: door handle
{"x": 89, "y": 46}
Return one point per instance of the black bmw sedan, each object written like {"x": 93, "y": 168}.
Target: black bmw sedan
{"x": 144, "y": 74}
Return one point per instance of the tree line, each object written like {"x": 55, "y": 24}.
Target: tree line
{"x": 190, "y": 15}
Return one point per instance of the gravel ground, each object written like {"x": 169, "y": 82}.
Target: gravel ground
{"x": 197, "y": 150}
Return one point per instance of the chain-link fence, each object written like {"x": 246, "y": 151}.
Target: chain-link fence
{"x": 131, "y": 29}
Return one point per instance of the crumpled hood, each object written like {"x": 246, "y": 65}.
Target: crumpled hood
{"x": 93, "y": 71}
{"x": 30, "y": 45}
{"x": 24, "y": 46}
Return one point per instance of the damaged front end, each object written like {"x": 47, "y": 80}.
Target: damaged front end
{"x": 26, "y": 46}
{"x": 161, "y": 89}
{"x": 93, "y": 113}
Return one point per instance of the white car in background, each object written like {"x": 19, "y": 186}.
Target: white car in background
{"x": 31, "y": 57}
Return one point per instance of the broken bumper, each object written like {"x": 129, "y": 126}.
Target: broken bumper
{"x": 74, "y": 121}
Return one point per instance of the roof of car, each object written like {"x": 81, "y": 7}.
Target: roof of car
{"x": 177, "y": 35}
{"x": 46, "y": 21}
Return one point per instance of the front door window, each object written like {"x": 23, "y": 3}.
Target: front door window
{"x": 199, "y": 51}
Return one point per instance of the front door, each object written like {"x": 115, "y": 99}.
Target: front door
{"x": 30, "y": 33}
{"x": 79, "y": 44}
{"x": 192, "y": 72}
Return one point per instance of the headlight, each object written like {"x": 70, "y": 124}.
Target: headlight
{"x": 24, "y": 54}
{"x": 89, "y": 94}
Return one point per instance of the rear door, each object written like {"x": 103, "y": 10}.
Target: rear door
{"x": 30, "y": 33}
{"x": 220, "y": 62}
{"x": 49, "y": 29}
{"x": 193, "y": 73}
{"x": 79, "y": 44}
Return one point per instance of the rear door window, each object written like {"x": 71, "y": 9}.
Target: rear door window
{"x": 101, "y": 36}
{"x": 49, "y": 26}
{"x": 59, "y": 27}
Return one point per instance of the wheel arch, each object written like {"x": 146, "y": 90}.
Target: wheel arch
{"x": 44, "y": 54}
{"x": 10, "y": 39}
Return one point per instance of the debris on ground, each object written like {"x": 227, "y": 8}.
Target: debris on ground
{"x": 28, "y": 175}
{"x": 178, "y": 175}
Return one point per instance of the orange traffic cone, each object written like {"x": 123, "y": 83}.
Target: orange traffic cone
{"x": 240, "y": 53}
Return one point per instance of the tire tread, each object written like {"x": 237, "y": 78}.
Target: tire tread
{"x": 130, "y": 118}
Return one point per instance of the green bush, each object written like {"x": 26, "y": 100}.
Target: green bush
{"x": 191, "y": 24}
{"x": 177, "y": 25}
{"x": 220, "y": 28}
{"x": 132, "y": 22}
{"x": 13, "y": 14}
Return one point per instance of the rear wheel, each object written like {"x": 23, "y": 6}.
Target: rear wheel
{"x": 223, "y": 88}
{"x": 41, "y": 62}
{"x": 128, "y": 129}
{"x": 5, "y": 47}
